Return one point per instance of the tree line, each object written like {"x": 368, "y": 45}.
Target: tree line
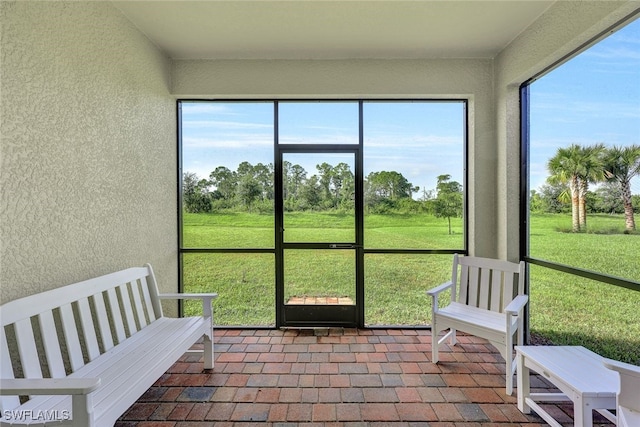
{"x": 331, "y": 188}
{"x": 572, "y": 169}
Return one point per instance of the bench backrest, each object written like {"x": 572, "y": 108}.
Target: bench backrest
{"x": 54, "y": 333}
{"x": 485, "y": 282}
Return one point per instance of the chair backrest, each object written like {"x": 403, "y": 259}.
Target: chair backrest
{"x": 629, "y": 394}
{"x": 485, "y": 282}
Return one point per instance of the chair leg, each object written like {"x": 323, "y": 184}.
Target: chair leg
{"x": 208, "y": 352}
{"x": 509, "y": 368}
{"x": 435, "y": 334}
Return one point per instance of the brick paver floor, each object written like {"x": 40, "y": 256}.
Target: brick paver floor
{"x": 338, "y": 377}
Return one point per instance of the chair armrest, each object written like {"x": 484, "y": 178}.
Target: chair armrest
{"x": 439, "y": 289}
{"x": 623, "y": 368}
{"x": 515, "y": 307}
{"x": 48, "y": 386}
{"x": 189, "y": 296}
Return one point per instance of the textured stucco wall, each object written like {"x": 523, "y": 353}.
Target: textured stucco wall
{"x": 446, "y": 78}
{"x": 88, "y": 148}
{"x": 561, "y": 30}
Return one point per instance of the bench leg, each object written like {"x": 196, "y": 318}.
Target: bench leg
{"x": 82, "y": 410}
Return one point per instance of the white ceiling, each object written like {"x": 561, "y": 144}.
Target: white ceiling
{"x": 331, "y": 29}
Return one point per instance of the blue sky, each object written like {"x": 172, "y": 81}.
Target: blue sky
{"x": 420, "y": 140}
{"x": 595, "y": 97}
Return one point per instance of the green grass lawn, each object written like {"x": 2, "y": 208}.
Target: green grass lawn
{"x": 564, "y": 309}
{"x": 571, "y": 310}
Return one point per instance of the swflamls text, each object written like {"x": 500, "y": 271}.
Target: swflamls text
{"x": 31, "y": 415}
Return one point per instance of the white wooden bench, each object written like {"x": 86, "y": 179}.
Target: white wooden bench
{"x": 82, "y": 354}
{"x": 487, "y": 300}
{"x": 628, "y": 395}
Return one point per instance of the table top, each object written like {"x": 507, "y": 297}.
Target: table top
{"x": 580, "y": 368}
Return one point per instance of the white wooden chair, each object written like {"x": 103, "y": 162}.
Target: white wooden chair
{"x": 487, "y": 300}
{"x": 628, "y": 398}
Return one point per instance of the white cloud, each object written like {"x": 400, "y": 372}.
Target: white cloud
{"x": 617, "y": 53}
{"x": 221, "y": 125}
{"x": 192, "y": 108}
{"x": 244, "y": 142}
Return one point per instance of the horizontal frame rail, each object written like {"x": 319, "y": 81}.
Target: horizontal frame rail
{"x": 366, "y": 251}
{"x": 588, "y": 274}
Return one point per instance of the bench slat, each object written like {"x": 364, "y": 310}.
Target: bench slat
{"x": 51, "y": 345}
{"x": 137, "y": 303}
{"x": 128, "y": 310}
{"x": 27, "y": 348}
{"x": 88, "y": 328}
{"x": 147, "y": 300}
{"x": 103, "y": 321}
{"x": 6, "y": 370}
{"x": 116, "y": 314}
{"x": 71, "y": 337}
{"x": 153, "y": 291}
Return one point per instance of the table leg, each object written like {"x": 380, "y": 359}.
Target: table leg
{"x": 524, "y": 384}
{"x": 582, "y": 414}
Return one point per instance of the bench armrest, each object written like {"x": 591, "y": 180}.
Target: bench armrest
{"x": 207, "y": 299}
{"x": 48, "y": 386}
{"x": 515, "y": 307}
{"x": 439, "y": 289}
{"x": 210, "y": 296}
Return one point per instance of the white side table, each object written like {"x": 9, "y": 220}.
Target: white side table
{"x": 578, "y": 373}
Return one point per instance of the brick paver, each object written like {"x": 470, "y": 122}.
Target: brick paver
{"x": 339, "y": 377}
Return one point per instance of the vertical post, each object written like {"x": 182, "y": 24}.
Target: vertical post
{"x": 82, "y": 410}
{"x": 207, "y": 313}
{"x": 523, "y": 383}
{"x": 524, "y": 193}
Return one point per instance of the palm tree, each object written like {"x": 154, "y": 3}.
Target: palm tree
{"x": 576, "y": 166}
{"x": 565, "y": 168}
{"x": 621, "y": 164}
{"x": 592, "y": 172}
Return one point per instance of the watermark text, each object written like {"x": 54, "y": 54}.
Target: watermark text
{"x": 36, "y": 415}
